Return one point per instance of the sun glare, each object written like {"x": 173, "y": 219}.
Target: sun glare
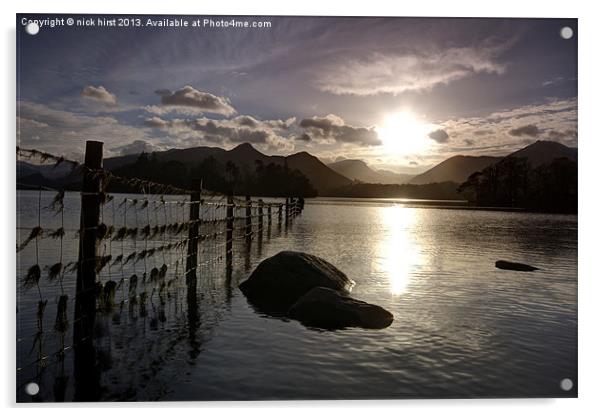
{"x": 404, "y": 134}
{"x": 399, "y": 254}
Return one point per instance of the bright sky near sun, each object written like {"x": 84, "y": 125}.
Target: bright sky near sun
{"x": 400, "y": 93}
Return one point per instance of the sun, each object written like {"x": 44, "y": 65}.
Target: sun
{"x": 404, "y": 134}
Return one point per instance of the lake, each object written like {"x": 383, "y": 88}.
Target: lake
{"x": 462, "y": 327}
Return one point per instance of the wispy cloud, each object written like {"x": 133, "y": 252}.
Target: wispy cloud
{"x": 396, "y": 73}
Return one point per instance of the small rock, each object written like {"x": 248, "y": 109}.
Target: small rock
{"x": 326, "y": 308}
{"x": 508, "y": 265}
{"x": 279, "y": 281}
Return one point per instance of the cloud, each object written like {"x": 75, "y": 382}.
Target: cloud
{"x": 505, "y": 131}
{"x": 530, "y": 130}
{"x": 421, "y": 70}
{"x": 99, "y": 94}
{"x": 156, "y": 122}
{"x": 440, "y": 136}
{"x": 267, "y": 134}
{"x": 136, "y": 147}
{"x": 559, "y": 135}
{"x": 65, "y": 132}
{"x": 303, "y": 137}
{"x": 188, "y": 100}
{"x": 334, "y": 128}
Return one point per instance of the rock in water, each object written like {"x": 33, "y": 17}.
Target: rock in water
{"x": 279, "y": 281}
{"x": 326, "y": 308}
{"x": 508, "y": 265}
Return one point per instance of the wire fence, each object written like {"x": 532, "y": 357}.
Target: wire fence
{"x": 87, "y": 261}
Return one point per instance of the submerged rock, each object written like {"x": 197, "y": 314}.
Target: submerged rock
{"x": 279, "y": 281}
{"x": 508, "y": 265}
{"x": 326, "y": 308}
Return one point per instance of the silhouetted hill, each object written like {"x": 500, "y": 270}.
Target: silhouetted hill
{"x": 245, "y": 156}
{"x": 358, "y": 170}
{"x": 539, "y": 177}
{"x": 543, "y": 152}
{"x": 321, "y": 176}
{"x": 455, "y": 169}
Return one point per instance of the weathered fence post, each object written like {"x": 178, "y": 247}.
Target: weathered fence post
{"x": 193, "y": 235}
{"x": 248, "y": 226}
{"x": 279, "y": 215}
{"x": 286, "y": 212}
{"x": 260, "y": 216}
{"x": 269, "y": 214}
{"x": 229, "y": 227}
{"x": 85, "y": 368}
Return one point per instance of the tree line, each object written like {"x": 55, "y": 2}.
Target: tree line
{"x": 259, "y": 180}
{"x": 513, "y": 182}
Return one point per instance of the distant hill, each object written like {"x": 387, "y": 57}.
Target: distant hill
{"x": 543, "y": 152}
{"x": 540, "y": 177}
{"x": 358, "y": 170}
{"x": 455, "y": 169}
{"x": 245, "y": 156}
{"x": 47, "y": 171}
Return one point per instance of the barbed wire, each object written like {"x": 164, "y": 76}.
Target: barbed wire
{"x": 166, "y": 253}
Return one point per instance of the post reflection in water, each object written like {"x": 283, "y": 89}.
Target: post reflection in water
{"x": 399, "y": 253}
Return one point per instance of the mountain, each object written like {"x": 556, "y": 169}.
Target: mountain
{"x": 543, "y": 152}
{"x": 540, "y": 177}
{"x": 245, "y": 156}
{"x": 358, "y": 170}
{"x": 48, "y": 171}
{"x": 321, "y": 176}
{"x": 455, "y": 169}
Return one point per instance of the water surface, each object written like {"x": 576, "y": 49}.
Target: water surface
{"x": 462, "y": 327}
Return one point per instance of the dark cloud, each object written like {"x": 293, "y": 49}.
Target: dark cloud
{"x": 303, "y": 137}
{"x": 469, "y": 142}
{"x": 414, "y": 163}
{"x": 332, "y": 127}
{"x": 99, "y": 94}
{"x": 191, "y": 98}
{"x": 530, "y": 130}
{"x": 440, "y": 136}
{"x": 562, "y": 134}
{"x": 215, "y": 131}
{"x": 137, "y": 146}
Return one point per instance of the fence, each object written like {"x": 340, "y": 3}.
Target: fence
{"x": 131, "y": 252}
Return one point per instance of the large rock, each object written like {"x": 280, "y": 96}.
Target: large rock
{"x": 279, "y": 281}
{"x": 326, "y": 308}
{"x": 509, "y": 265}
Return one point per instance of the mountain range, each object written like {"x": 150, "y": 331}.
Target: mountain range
{"x": 245, "y": 156}
{"x": 358, "y": 170}
{"x": 323, "y": 177}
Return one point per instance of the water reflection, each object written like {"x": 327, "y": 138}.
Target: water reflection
{"x": 398, "y": 252}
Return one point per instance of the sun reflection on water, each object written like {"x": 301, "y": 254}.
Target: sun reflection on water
{"x": 399, "y": 253}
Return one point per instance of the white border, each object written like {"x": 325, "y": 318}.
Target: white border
{"x": 590, "y": 287}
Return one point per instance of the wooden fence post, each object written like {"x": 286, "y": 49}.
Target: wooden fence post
{"x": 286, "y": 212}
{"x": 229, "y": 227}
{"x": 193, "y": 235}
{"x": 260, "y": 216}
{"x": 86, "y": 371}
{"x": 248, "y": 226}
{"x": 279, "y": 215}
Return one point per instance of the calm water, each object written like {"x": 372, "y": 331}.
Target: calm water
{"x": 462, "y": 328}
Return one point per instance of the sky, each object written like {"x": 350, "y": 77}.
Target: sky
{"x": 399, "y": 93}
